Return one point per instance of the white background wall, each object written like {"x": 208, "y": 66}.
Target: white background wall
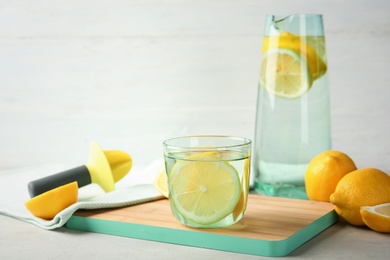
{"x": 130, "y": 74}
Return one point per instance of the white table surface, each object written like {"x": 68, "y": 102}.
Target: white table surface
{"x": 130, "y": 74}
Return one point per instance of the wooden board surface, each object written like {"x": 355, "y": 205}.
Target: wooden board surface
{"x": 271, "y": 226}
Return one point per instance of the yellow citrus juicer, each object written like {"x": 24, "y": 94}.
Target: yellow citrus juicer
{"x": 104, "y": 168}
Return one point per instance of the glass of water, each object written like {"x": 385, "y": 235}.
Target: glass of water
{"x": 208, "y": 179}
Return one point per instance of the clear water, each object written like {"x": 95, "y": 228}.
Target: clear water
{"x": 240, "y": 161}
{"x": 289, "y": 133}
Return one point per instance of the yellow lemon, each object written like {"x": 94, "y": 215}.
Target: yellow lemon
{"x": 364, "y": 187}
{"x": 241, "y": 204}
{"x": 304, "y": 46}
{"x": 284, "y": 73}
{"x": 324, "y": 172}
{"x": 204, "y": 191}
{"x": 160, "y": 181}
{"x": 377, "y": 217}
{"x": 47, "y": 205}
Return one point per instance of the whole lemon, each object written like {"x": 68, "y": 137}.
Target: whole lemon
{"x": 324, "y": 172}
{"x": 364, "y": 187}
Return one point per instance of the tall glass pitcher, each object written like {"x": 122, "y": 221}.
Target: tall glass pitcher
{"x": 293, "y": 106}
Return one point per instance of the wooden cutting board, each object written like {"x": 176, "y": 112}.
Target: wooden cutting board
{"x": 271, "y": 226}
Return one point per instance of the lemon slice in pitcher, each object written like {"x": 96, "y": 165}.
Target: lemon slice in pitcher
{"x": 284, "y": 73}
{"x": 204, "y": 191}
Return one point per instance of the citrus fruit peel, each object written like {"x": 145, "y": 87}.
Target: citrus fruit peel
{"x": 48, "y": 204}
{"x": 377, "y": 217}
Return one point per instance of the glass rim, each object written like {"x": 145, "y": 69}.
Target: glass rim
{"x": 244, "y": 142}
{"x": 295, "y": 14}
{"x": 281, "y": 17}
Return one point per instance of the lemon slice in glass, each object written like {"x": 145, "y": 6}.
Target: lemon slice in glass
{"x": 161, "y": 182}
{"x": 377, "y": 217}
{"x": 204, "y": 191}
{"x": 284, "y": 73}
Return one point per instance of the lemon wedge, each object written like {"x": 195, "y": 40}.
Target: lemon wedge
{"x": 377, "y": 217}
{"x": 284, "y": 73}
{"x": 161, "y": 182}
{"x": 50, "y": 203}
{"x": 204, "y": 191}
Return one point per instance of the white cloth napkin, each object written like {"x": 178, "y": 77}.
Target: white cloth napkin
{"x": 136, "y": 187}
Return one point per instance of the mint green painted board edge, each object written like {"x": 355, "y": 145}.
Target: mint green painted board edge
{"x": 205, "y": 239}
